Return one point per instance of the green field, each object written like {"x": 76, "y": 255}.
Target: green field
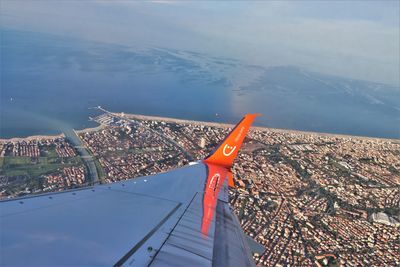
{"x": 34, "y": 167}
{"x": 49, "y": 152}
{"x": 1, "y": 162}
{"x": 100, "y": 171}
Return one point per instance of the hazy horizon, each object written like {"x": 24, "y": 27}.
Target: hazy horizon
{"x": 49, "y": 82}
{"x": 310, "y": 65}
{"x": 358, "y": 40}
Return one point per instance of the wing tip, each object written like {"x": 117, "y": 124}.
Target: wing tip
{"x": 227, "y": 150}
{"x": 253, "y": 114}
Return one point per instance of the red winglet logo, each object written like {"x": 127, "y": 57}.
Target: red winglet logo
{"x": 219, "y": 165}
{"x": 215, "y": 179}
{"x": 227, "y": 151}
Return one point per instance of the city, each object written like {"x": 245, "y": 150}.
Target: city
{"x": 38, "y": 164}
{"x": 307, "y": 198}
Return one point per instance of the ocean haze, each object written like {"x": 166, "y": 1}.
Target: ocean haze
{"x": 353, "y": 39}
{"x": 48, "y": 84}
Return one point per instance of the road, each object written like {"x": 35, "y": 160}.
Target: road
{"x": 84, "y": 154}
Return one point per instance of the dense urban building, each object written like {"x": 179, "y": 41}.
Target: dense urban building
{"x": 305, "y": 198}
{"x": 40, "y": 164}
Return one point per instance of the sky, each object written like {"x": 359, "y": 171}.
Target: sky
{"x": 356, "y": 39}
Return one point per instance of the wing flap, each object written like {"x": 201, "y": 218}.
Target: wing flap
{"x": 186, "y": 245}
{"x": 230, "y": 246}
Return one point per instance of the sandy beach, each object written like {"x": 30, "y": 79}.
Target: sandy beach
{"x": 226, "y": 125}
{"x": 97, "y": 128}
{"x": 33, "y": 137}
{"x": 182, "y": 121}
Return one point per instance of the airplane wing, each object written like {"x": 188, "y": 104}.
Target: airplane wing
{"x": 177, "y": 218}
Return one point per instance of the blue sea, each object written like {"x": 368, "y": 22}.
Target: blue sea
{"x": 49, "y": 84}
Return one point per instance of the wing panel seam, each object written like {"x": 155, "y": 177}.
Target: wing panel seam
{"x": 183, "y": 213}
{"x": 144, "y": 239}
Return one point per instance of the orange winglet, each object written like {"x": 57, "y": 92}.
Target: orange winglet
{"x": 226, "y": 152}
{"x": 231, "y": 183}
{"x": 219, "y": 165}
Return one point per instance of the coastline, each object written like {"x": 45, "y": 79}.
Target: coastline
{"x": 227, "y": 125}
{"x": 204, "y": 123}
{"x": 32, "y": 137}
{"x": 93, "y": 129}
